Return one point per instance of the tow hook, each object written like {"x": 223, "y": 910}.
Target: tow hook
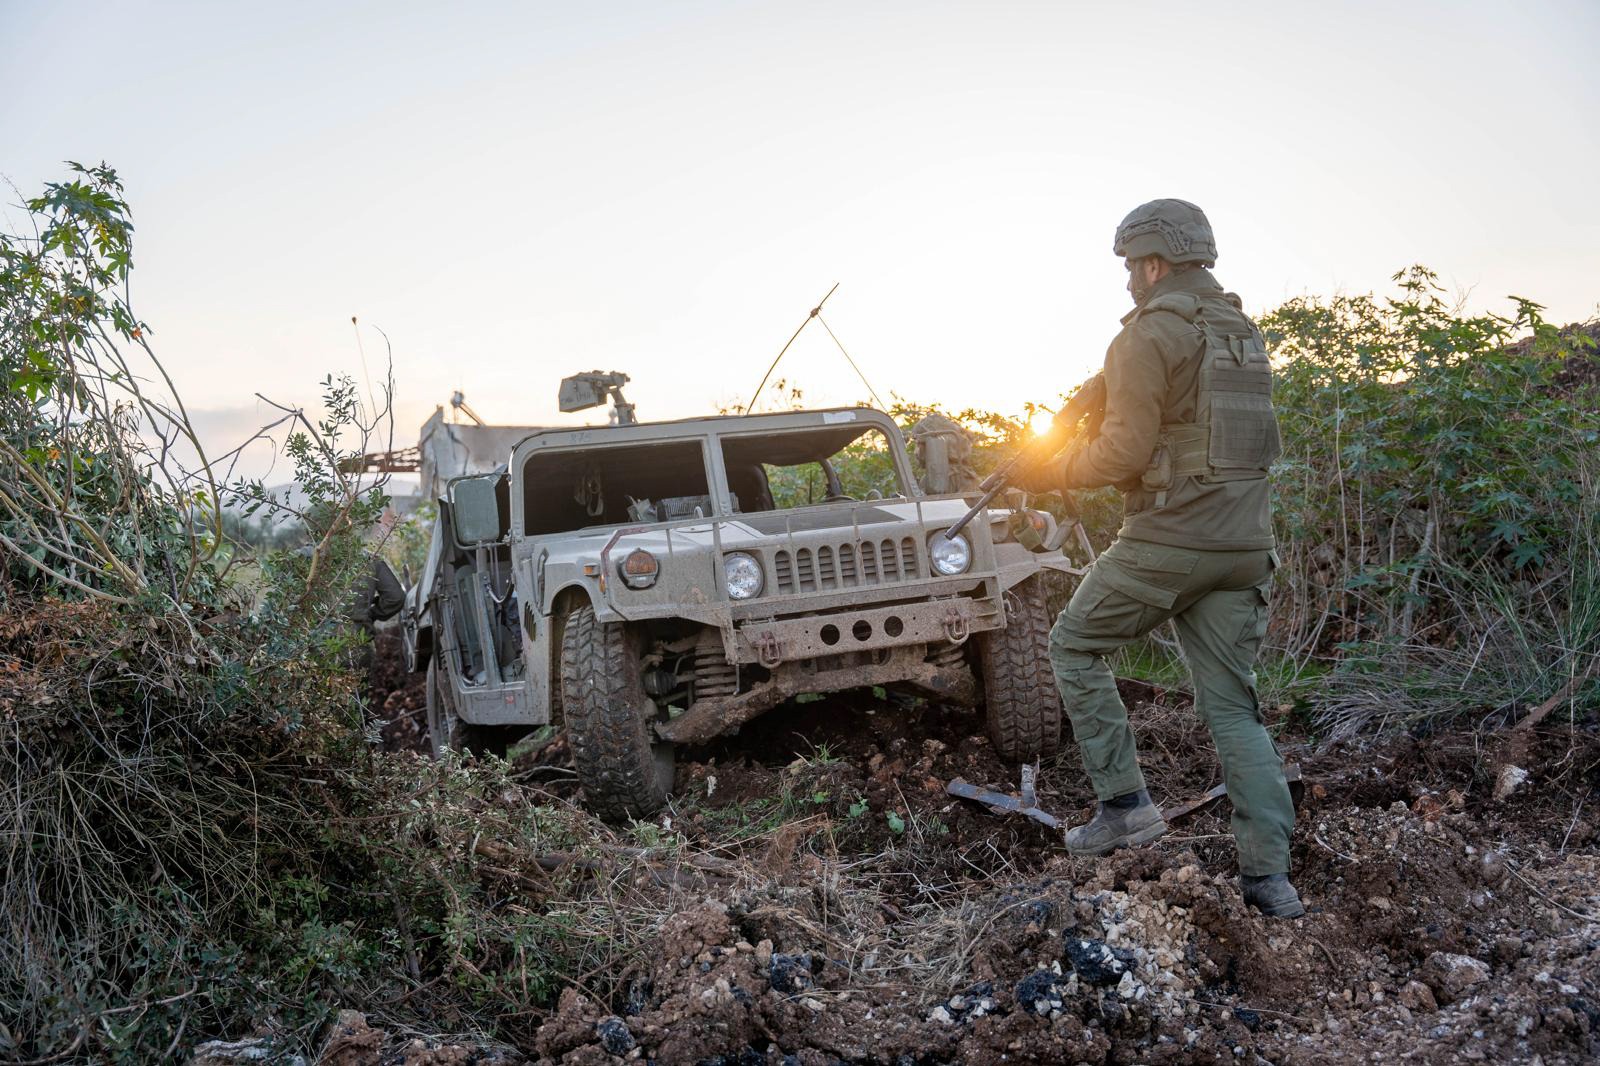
{"x": 955, "y": 625}
{"x": 768, "y": 653}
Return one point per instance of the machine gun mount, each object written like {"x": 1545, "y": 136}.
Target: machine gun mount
{"x": 583, "y": 391}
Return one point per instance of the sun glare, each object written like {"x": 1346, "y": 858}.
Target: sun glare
{"x": 1039, "y": 421}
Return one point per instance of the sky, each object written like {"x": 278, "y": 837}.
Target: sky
{"x": 515, "y": 192}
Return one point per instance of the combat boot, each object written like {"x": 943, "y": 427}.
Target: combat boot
{"x": 1122, "y": 822}
{"x": 1272, "y": 895}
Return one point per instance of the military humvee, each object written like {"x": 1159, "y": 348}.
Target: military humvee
{"x": 645, "y": 585}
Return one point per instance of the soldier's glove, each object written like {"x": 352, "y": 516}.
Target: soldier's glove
{"x": 1047, "y": 475}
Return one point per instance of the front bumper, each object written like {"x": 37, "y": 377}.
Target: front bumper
{"x": 769, "y": 642}
{"x": 710, "y": 718}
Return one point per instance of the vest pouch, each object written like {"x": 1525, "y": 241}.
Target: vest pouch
{"x": 1157, "y": 477}
{"x": 1236, "y": 388}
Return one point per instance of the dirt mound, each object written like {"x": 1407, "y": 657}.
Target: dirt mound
{"x": 1150, "y": 958}
{"x": 844, "y": 908}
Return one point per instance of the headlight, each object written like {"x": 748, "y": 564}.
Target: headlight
{"x": 951, "y": 555}
{"x": 638, "y": 569}
{"x": 742, "y": 575}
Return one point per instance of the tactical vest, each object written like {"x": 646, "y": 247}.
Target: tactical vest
{"x": 1234, "y": 436}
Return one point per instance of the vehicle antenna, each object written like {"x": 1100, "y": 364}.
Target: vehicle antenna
{"x": 874, "y": 392}
{"x": 749, "y": 408}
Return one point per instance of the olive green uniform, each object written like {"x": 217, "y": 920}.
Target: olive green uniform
{"x": 1195, "y": 546}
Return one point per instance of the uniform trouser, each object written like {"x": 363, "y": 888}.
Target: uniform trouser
{"x": 1218, "y": 601}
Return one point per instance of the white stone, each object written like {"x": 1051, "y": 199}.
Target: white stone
{"x": 1508, "y": 781}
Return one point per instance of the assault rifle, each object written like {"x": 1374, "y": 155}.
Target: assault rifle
{"x": 1089, "y": 402}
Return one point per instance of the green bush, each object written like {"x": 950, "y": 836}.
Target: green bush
{"x": 1436, "y": 503}
{"x": 198, "y": 837}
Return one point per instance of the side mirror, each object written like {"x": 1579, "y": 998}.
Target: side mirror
{"x": 474, "y": 511}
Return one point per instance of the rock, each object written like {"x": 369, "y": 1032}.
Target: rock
{"x": 1417, "y": 996}
{"x": 614, "y": 1035}
{"x": 1427, "y": 807}
{"x": 1096, "y": 962}
{"x": 1040, "y": 992}
{"x": 789, "y": 974}
{"x": 640, "y": 989}
{"x": 1036, "y": 912}
{"x": 977, "y": 1001}
{"x": 351, "y": 1041}
{"x": 230, "y": 1052}
{"x": 1508, "y": 781}
{"x": 1451, "y": 976}
{"x": 1493, "y": 868}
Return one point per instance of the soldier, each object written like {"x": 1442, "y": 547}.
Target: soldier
{"x": 376, "y": 595}
{"x": 1188, "y": 436}
{"x": 944, "y": 447}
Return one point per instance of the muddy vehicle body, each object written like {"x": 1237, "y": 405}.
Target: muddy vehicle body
{"x": 647, "y": 585}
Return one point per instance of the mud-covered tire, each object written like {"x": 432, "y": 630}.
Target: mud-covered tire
{"x": 1022, "y": 705}
{"x": 625, "y": 773}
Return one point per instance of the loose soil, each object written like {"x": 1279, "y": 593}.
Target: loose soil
{"x": 399, "y": 698}
{"x": 856, "y": 913}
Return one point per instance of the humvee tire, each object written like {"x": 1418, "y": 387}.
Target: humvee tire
{"x": 1022, "y": 705}
{"x": 609, "y": 720}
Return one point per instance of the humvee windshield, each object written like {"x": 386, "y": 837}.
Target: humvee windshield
{"x": 653, "y": 482}
{"x": 803, "y": 467}
{"x": 665, "y": 480}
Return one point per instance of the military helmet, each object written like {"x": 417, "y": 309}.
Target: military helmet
{"x": 1176, "y": 230}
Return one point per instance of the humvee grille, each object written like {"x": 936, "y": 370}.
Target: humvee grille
{"x": 869, "y": 562}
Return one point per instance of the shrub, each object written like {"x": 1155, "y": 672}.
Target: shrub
{"x": 1436, "y": 503}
